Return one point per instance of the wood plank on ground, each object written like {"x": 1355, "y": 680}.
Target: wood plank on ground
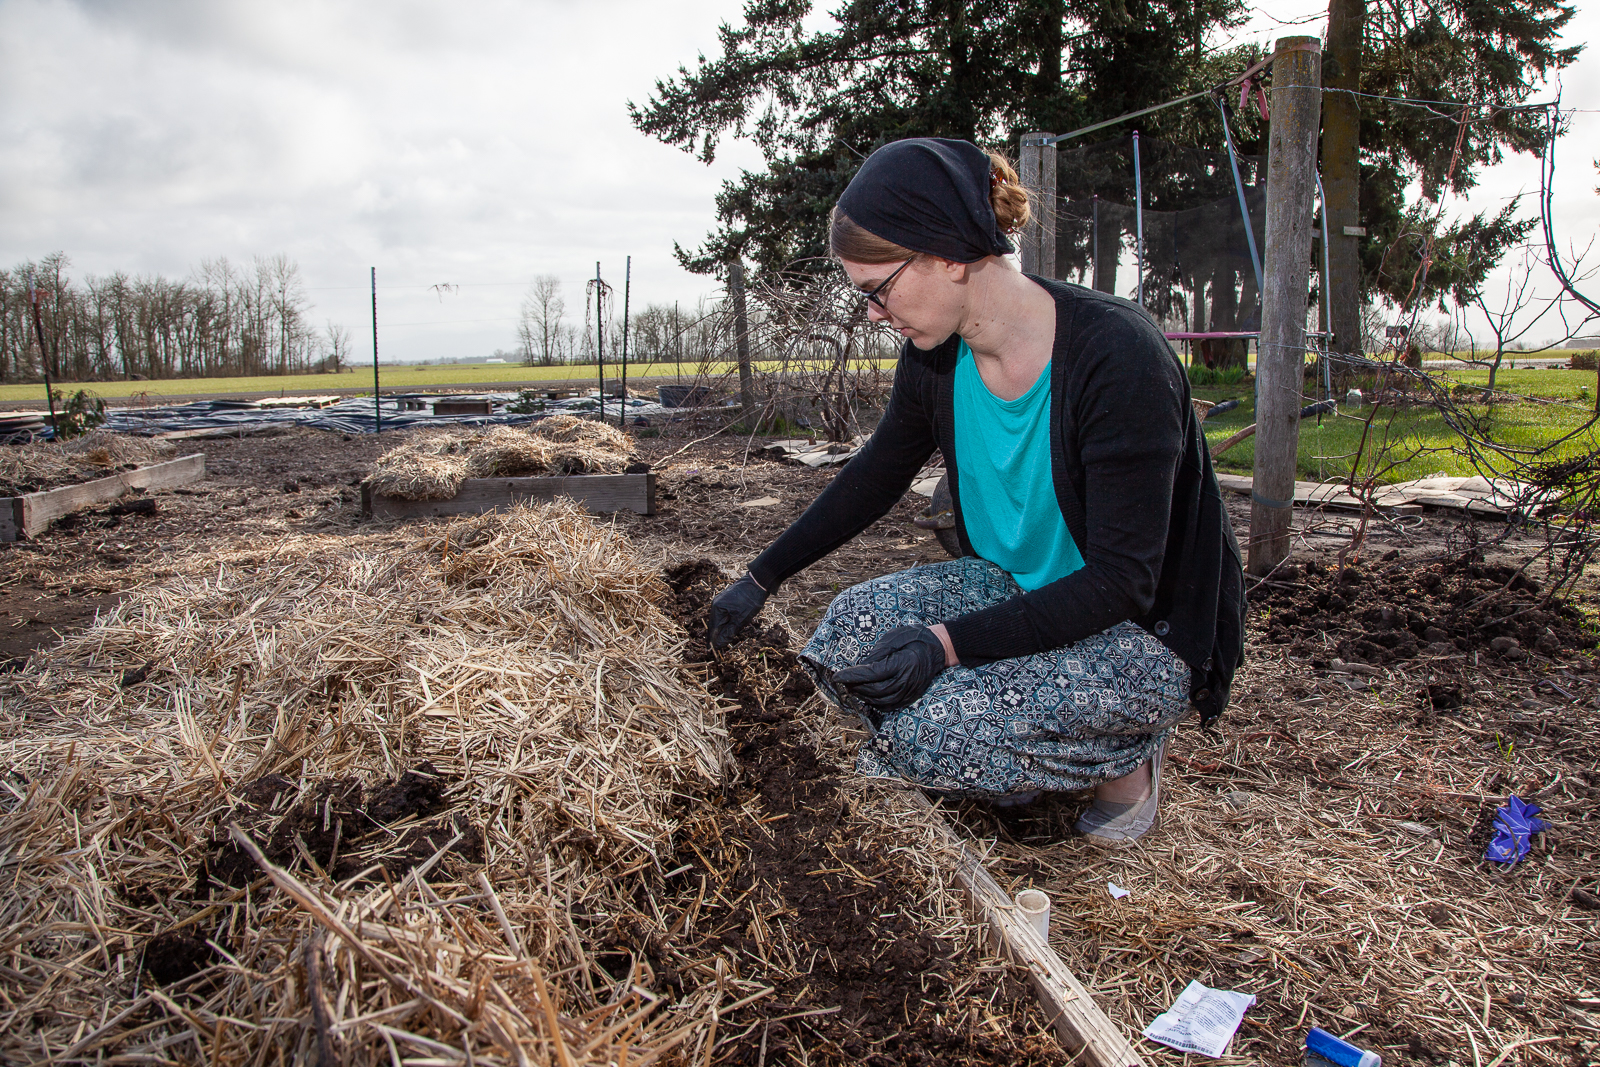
{"x": 596, "y": 492}
{"x": 222, "y": 433}
{"x": 1086, "y": 1032}
{"x": 1318, "y": 495}
{"x": 27, "y": 516}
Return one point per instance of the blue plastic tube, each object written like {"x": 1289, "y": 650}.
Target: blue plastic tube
{"x": 1324, "y": 1046}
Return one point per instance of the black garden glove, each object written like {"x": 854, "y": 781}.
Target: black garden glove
{"x": 733, "y": 607}
{"x": 898, "y": 670}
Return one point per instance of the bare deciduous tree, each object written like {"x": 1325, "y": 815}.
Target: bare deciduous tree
{"x": 339, "y": 351}
{"x": 1513, "y": 318}
{"x": 539, "y": 332}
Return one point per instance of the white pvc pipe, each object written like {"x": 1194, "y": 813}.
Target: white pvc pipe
{"x": 1035, "y": 907}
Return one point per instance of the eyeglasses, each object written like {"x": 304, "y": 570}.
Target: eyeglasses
{"x": 874, "y": 298}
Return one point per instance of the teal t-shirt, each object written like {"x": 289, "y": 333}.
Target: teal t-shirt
{"x": 1008, "y": 499}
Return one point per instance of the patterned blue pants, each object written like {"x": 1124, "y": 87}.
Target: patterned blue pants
{"x": 1059, "y": 720}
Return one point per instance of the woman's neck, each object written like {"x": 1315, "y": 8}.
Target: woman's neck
{"x": 1010, "y": 326}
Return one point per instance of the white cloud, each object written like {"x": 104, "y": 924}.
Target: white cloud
{"x": 481, "y": 142}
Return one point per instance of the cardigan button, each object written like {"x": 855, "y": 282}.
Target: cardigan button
{"x": 1201, "y": 696}
{"x": 1162, "y": 628}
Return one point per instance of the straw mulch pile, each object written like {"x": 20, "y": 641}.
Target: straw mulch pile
{"x": 433, "y": 465}
{"x": 356, "y": 800}
{"x": 43, "y": 465}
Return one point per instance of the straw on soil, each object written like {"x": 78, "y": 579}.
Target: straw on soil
{"x": 433, "y": 465}
{"x": 361, "y": 795}
{"x": 47, "y": 464}
{"x": 1325, "y": 854}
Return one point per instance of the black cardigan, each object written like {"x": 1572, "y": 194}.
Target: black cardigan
{"x": 1132, "y": 475}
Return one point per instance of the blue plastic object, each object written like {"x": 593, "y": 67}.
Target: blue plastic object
{"x": 1514, "y": 823}
{"x": 1323, "y": 1048}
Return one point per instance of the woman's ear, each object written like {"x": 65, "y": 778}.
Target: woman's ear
{"x": 955, "y": 272}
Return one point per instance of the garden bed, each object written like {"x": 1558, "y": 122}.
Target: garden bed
{"x": 29, "y": 515}
{"x": 1321, "y": 850}
{"x": 40, "y": 465}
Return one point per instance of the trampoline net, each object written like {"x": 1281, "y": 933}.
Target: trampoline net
{"x": 1197, "y": 272}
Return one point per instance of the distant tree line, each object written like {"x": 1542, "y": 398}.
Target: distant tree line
{"x": 657, "y": 333}
{"x": 223, "y": 320}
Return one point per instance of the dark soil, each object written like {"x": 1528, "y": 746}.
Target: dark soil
{"x": 702, "y": 499}
{"x": 784, "y": 851}
{"x": 1395, "y": 610}
{"x": 175, "y": 955}
{"x": 34, "y": 616}
{"x": 417, "y": 792}
{"x": 332, "y": 827}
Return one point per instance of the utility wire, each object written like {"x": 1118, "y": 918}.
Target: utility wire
{"x": 1217, "y": 91}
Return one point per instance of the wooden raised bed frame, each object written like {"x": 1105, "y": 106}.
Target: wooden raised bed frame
{"x": 27, "y": 516}
{"x": 597, "y": 492}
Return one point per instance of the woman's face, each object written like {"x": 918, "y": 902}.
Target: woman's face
{"x": 923, "y": 302}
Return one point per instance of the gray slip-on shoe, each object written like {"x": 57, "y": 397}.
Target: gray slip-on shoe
{"x": 1110, "y": 825}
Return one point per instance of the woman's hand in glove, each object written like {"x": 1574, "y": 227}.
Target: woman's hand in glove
{"x": 733, "y": 607}
{"x": 898, "y": 670}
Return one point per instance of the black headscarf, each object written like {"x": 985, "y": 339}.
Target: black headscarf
{"x": 928, "y": 194}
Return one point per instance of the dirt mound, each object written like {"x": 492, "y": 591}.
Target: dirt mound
{"x": 791, "y": 881}
{"x": 1395, "y": 610}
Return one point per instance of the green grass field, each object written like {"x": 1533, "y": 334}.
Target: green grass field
{"x": 392, "y": 378}
{"x": 399, "y": 378}
{"x": 1328, "y": 445}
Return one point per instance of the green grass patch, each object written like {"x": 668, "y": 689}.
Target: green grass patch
{"x": 1554, "y": 384}
{"x": 1328, "y": 445}
{"x": 398, "y": 378}
{"x": 1201, "y": 376}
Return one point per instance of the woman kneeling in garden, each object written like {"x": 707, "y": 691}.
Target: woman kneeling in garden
{"x": 1100, "y": 594}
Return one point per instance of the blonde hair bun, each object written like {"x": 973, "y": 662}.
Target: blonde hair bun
{"x": 1011, "y": 203}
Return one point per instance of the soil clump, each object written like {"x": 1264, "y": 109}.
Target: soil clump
{"x": 175, "y": 955}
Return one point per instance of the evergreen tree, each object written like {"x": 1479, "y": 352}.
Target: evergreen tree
{"x": 818, "y": 102}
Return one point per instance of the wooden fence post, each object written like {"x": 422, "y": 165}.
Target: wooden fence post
{"x": 1037, "y": 169}
{"x": 1281, "y": 348}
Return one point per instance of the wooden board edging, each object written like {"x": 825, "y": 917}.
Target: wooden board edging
{"x": 596, "y": 492}
{"x": 1086, "y": 1032}
{"x": 27, "y": 516}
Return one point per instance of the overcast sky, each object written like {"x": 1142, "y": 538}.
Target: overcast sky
{"x": 477, "y": 143}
